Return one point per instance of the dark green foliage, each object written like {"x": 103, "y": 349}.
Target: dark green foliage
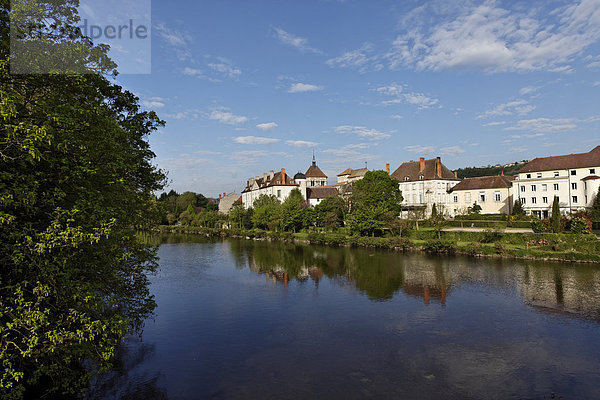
{"x": 240, "y": 217}
{"x": 595, "y": 210}
{"x": 372, "y": 198}
{"x": 76, "y": 175}
{"x": 475, "y": 209}
{"x": 267, "y": 211}
{"x": 472, "y": 172}
{"x": 440, "y": 246}
{"x": 492, "y": 235}
{"x": 537, "y": 225}
{"x": 292, "y": 210}
{"x": 579, "y": 225}
{"x": 330, "y": 212}
{"x": 518, "y": 209}
{"x": 555, "y": 218}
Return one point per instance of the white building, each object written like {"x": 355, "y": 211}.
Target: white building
{"x": 316, "y": 194}
{"x": 227, "y": 201}
{"x": 424, "y": 183}
{"x": 492, "y": 193}
{"x": 573, "y": 178}
{"x": 350, "y": 175}
{"x": 277, "y": 184}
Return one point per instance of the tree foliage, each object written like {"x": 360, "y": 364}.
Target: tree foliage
{"x": 595, "y": 210}
{"x": 555, "y": 217}
{"x": 266, "y": 212}
{"x": 372, "y": 198}
{"x": 518, "y": 210}
{"x": 75, "y": 177}
{"x": 330, "y": 212}
{"x": 292, "y": 210}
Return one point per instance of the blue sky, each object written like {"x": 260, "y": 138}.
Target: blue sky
{"x": 250, "y": 86}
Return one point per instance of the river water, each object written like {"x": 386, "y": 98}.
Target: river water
{"x": 240, "y": 319}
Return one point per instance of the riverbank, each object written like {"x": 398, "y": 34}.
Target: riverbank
{"x": 493, "y": 244}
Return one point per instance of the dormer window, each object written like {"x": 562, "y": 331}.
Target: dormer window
{"x": 528, "y": 176}
{"x": 421, "y": 177}
{"x": 406, "y": 178}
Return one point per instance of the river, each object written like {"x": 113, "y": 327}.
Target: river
{"x": 239, "y": 319}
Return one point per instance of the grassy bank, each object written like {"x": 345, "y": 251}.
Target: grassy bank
{"x": 543, "y": 246}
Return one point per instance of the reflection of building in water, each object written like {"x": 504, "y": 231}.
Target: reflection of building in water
{"x": 428, "y": 293}
{"x": 560, "y": 289}
{"x": 427, "y": 281}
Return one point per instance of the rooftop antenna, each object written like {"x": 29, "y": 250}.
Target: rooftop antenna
{"x": 314, "y": 161}
{"x": 366, "y": 165}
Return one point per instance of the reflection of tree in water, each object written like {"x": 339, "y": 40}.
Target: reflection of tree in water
{"x": 118, "y": 383}
{"x": 378, "y": 274}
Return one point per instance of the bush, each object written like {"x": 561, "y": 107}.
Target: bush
{"x": 440, "y": 246}
{"x": 538, "y": 226}
{"x": 492, "y": 235}
{"x": 580, "y": 225}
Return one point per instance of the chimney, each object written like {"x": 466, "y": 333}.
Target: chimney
{"x": 456, "y": 174}
{"x": 271, "y": 174}
{"x": 223, "y": 194}
{"x": 265, "y": 177}
{"x": 387, "y": 168}
{"x": 502, "y": 173}
{"x": 283, "y": 175}
{"x": 219, "y": 196}
{"x": 421, "y": 164}
{"x": 438, "y": 167}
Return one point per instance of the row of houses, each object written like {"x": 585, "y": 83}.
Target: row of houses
{"x": 572, "y": 178}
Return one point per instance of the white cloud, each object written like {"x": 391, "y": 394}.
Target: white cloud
{"x": 226, "y": 69}
{"x": 451, "y": 151}
{"x": 541, "y": 125}
{"x": 358, "y": 59}
{"x": 304, "y": 87}
{"x": 396, "y": 116}
{"x": 520, "y": 107}
{"x": 295, "y": 41}
{"x": 419, "y": 149}
{"x": 267, "y": 126}
{"x": 301, "y": 143}
{"x": 399, "y": 96}
{"x": 254, "y": 140}
{"x": 518, "y": 149}
{"x": 193, "y": 72}
{"x": 225, "y": 117}
{"x": 529, "y": 89}
{"x": 177, "y": 40}
{"x": 495, "y": 39}
{"x": 154, "y": 102}
{"x": 362, "y": 131}
{"x": 495, "y": 123}
{"x": 597, "y": 83}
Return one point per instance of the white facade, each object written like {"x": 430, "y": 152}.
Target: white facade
{"x": 491, "y": 201}
{"x": 576, "y": 189}
{"x": 423, "y": 194}
{"x": 272, "y": 184}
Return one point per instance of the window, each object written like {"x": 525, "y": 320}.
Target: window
{"x": 545, "y": 200}
{"x": 533, "y": 188}
{"x": 523, "y": 188}
{"x": 497, "y": 196}
{"x": 421, "y": 177}
{"x": 574, "y": 186}
{"x": 556, "y": 186}
{"x": 523, "y": 200}
{"x": 556, "y": 174}
{"x": 406, "y": 178}
{"x": 456, "y": 198}
{"x": 482, "y": 197}
{"x": 539, "y": 175}
{"x": 279, "y": 193}
{"x": 312, "y": 183}
{"x": 414, "y": 186}
{"x": 544, "y": 188}
{"x": 528, "y": 176}
{"x": 467, "y": 197}
{"x": 533, "y": 200}
{"x": 574, "y": 199}
{"x": 573, "y": 172}
{"x": 421, "y": 199}
{"x": 592, "y": 170}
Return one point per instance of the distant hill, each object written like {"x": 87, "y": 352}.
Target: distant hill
{"x": 490, "y": 170}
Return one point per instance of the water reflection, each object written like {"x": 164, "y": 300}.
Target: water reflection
{"x": 550, "y": 287}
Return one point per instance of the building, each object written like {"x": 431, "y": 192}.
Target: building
{"x": 424, "y": 183}
{"x": 277, "y": 184}
{"x": 311, "y": 178}
{"x": 350, "y": 175}
{"x": 573, "y": 178}
{"x": 492, "y": 193}
{"x": 315, "y": 195}
{"x": 227, "y": 201}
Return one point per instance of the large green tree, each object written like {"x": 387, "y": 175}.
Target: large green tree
{"x": 555, "y": 217}
{"x": 267, "y": 210}
{"x": 374, "y": 196}
{"x": 75, "y": 177}
{"x": 330, "y": 212}
{"x": 292, "y": 210}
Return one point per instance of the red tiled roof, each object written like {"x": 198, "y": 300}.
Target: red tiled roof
{"x": 314, "y": 172}
{"x": 347, "y": 171}
{"x": 580, "y": 160}
{"x": 412, "y": 171}
{"x": 484, "y": 182}
{"x": 262, "y": 183}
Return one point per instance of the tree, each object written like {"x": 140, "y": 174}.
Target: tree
{"x": 292, "y": 211}
{"x": 437, "y": 219}
{"x": 555, "y": 218}
{"x": 75, "y": 176}
{"x": 240, "y": 217}
{"x": 330, "y": 212}
{"x": 185, "y": 200}
{"x": 595, "y": 210}
{"x": 372, "y": 197}
{"x": 517, "y": 210}
{"x": 475, "y": 208}
{"x": 266, "y": 212}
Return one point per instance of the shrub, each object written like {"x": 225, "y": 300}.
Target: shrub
{"x": 492, "y": 235}
{"x": 440, "y": 246}
{"x": 579, "y": 225}
{"x": 538, "y": 226}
